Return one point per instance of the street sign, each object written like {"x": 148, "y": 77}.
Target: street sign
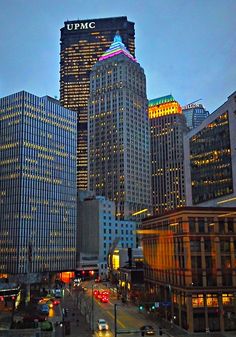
{"x": 157, "y": 304}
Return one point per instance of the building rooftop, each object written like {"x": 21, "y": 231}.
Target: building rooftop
{"x": 117, "y": 47}
{"x": 161, "y": 100}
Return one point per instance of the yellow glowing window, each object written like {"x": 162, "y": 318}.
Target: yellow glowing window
{"x": 116, "y": 261}
{"x": 227, "y": 299}
{"x": 197, "y": 301}
{"x": 212, "y": 300}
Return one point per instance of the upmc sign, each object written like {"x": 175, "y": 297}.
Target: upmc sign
{"x": 80, "y": 25}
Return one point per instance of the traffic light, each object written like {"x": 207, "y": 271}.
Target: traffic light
{"x": 153, "y": 307}
{"x": 140, "y": 307}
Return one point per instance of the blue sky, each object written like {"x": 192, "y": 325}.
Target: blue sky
{"x": 186, "y": 47}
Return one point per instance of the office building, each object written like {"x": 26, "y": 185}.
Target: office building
{"x": 37, "y": 185}
{"x": 119, "y": 152}
{"x": 210, "y": 159}
{"x": 190, "y": 267}
{"x": 82, "y": 43}
{"x": 98, "y": 232}
{"x": 168, "y": 126}
{"x": 195, "y": 114}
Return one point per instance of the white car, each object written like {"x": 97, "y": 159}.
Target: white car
{"x": 102, "y": 325}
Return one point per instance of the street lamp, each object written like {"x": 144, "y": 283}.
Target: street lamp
{"x": 92, "y": 312}
{"x": 115, "y": 320}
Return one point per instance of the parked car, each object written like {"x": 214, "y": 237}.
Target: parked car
{"x": 102, "y": 325}
{"x": 147, "y": 330}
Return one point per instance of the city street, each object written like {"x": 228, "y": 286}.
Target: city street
{"x": 128, "y": 317}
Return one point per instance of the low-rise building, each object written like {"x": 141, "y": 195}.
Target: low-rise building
{"x": 190, "y": 256}
{"x": 98, "y": 229}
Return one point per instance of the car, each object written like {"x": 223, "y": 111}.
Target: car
{"x": 43, "y": 309}
{"x": 147, "y": 330}
{"x": 104, "y": 299}
{"x": 47, "y": 301}
{"x": 95, "y": 292}
{"x": 34, "y": 318}
{"x": 102, "y": 325}
{"x": 58, "y": 293}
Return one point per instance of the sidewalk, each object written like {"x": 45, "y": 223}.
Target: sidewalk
{"x": 78, "y": 324}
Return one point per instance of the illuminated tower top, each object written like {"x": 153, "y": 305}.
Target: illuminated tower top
{"x": 117, "y": 47}
{"x": 163, "y": 106}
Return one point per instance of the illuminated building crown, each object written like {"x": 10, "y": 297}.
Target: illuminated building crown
{"x": 163, "y": 106}
{"x": 117, "y": 47}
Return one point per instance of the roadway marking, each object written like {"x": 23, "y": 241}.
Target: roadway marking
{"x": 118, "y": 321}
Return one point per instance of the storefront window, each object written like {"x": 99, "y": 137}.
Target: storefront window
{"x": 211, "y": 300}
{"x": 227, "y": 299}
{"x": 197, "y": 301}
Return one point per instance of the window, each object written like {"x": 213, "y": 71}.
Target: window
{"x": 227, "y": 299}
{"x": 201, "y": 225}
{"x": 195, "y": 245}
{"x": 192, "y": 224}
{"x": 198, "y": 300}
{"x": 208, "y": 245}
{"x": 211, "y": 300}
{"x": 221, "y": 226}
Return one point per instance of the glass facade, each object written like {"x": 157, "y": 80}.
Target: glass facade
{"x": 37, "y": 185}
{"x": 210, "y": 161}
{"x": 195, "y": 114}
{"x": 82, "y": 43}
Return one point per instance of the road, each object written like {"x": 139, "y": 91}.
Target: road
{"x": 128, "y": 316}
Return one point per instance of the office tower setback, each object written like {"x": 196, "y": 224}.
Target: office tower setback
{"x": 119, "y": 146}
{"x": 194, "y": 114}
{"x": 37, "y": 185}
{"x": 167, "y": 128}
{"x": 210, "y": 159}
{"x": 82, "y": 43}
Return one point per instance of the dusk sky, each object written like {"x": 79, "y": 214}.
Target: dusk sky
{"x": 186, "y": 47}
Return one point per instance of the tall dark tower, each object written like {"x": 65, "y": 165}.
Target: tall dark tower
{"x": 82, "y": 43}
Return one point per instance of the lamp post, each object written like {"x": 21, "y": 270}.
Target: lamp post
{"x": 92, "y": 312}
{"x": 115, "y": 320}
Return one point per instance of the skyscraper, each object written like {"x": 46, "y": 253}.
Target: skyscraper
{"x": 119, "y": 145}
{"x": 210, "y": 158}
{"x": 167, "y": 129}
{"x": 194, "y": 114}
{"x": 37, "y": 185}
{"x": 82, "y": 43}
